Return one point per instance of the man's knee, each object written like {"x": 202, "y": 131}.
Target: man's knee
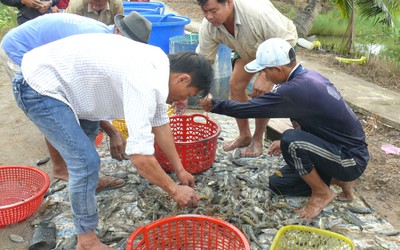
{"x": 288, "y": 136}
{"x": 287, "y": 181}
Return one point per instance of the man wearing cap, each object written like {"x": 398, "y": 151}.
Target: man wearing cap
{"x": 327, "y": 145}
{"x": 52, "y": 27}
{"x": 243, "y": 25}
{"x": 101, "y": 10}
{"x": 132, "y": 81}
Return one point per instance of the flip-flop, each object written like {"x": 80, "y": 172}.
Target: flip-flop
{"x": 108, "y": 182}
{"x": 44, "y": 236}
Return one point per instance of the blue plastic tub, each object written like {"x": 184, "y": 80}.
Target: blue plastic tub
{"x": 186, "y": 42}
{"x": 164, "y": 27}
{"x": 144, "y": 8}
{"x": 222, "y": 65}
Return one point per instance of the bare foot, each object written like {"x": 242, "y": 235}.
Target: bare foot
{"x": 345, "y": 197}
{"x": 108, "y": 182}
{"x": 236, "y": 143}
{"x": 315, "y": 205}
{"x": 105, "y": 183}
{"x": 90, "y": 242}
{"x": 347, "y": 190}
{"x": 255, "y": 149}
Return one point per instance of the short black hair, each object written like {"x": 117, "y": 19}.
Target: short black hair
{"x": 203, "y": 2}
{"x": 196, "y": 66}
{"x": 292, "y": 57}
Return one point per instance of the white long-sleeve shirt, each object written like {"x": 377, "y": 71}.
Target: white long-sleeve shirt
{"x": 103, "y": 77}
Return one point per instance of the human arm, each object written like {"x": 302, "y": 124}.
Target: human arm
{"x": 36, "y": 4}
{"x": 165, "y": 141}
{"x": 149, "y": 168}
{"x": 75, "y": 7}
{"x": 261, "y": 85}
{"x": 117, "y": 144}
{"x": 207, "y": 47}
{"x": 117, "y": 7}
{"x": 233, "y": 108}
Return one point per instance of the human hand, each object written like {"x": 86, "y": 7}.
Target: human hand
{"x": 179, "y": 106}
{"x": 36, "y": 4}
{"x": 117, "y": 146}
{"x": 206, "y": 103}
{"x": 46, "y": 6}
{"x": 186, "y": 178}
{"x": 259, "y": 88}
{"x": 275, "y": 148}
{"x": 186, "y": 196}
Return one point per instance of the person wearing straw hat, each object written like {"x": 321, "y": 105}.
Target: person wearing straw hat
{"x": 52, "y": 27}
{"x": 101, "y": 10}
{"x": 243, "y": 25}
{"x": 327, "y": 145}
{"x": 132, "y": 81}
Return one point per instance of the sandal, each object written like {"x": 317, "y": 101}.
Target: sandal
{"x": 108, "y": 182}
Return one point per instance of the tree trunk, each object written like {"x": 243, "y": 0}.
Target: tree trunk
{"x": 304, "y": 20}
{"x": 348, "y": 39}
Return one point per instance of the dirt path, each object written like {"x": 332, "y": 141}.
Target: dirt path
{"x": 21, "y": 144}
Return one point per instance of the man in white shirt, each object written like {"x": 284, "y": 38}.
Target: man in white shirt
{"x": 131, "y": 81}
{"x": 243, "y": 25}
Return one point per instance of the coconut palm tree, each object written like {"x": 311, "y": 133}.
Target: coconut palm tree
{"x": 383, "y": 11}
{"x": 304, "y": 19}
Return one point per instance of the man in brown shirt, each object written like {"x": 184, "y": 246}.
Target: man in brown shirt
{"x": 100, "y": 10}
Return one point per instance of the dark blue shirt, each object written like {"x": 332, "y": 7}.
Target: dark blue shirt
{"x": 311, "y": 101}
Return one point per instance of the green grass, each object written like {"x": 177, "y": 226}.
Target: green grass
{"x": 332, "y": 23}
{"x": 8, "y": 19}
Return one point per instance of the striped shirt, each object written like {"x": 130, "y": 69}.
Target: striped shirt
{"x": 129, "y": 81}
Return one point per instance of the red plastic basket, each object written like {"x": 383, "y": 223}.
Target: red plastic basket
{"x": 99, "y": 138}
{"x": 22, "y": 191}
{"x": 190, "y": 232}
{"x": 196, "y": 138}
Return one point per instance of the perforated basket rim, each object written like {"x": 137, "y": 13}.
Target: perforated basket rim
{"x": 216, "y": 134}
{"x": 183, "y": 217}
{"x": 38, "y": 194}
{"x": 121, "y": 122}
{"x": 308, "y": 229}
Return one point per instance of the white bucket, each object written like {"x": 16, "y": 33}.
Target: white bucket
{"x": 305, "y": 44}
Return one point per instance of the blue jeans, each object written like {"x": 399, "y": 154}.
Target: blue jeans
{"x": 58, "y": 123}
